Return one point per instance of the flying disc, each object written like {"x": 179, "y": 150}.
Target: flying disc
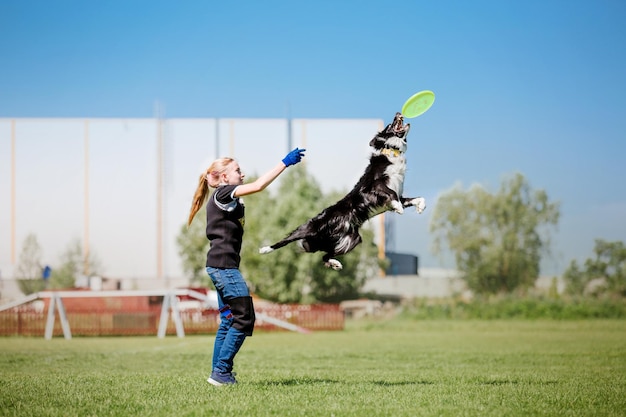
{"x": 418, "y": 103}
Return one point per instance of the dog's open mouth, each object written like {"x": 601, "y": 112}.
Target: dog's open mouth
{"x": 398, "y": 125}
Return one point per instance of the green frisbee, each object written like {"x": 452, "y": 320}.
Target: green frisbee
{"x": 418, "y": 103}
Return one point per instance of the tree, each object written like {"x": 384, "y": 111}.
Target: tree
{"x": 497, "y": 239}
{"x": 289, "y": 274}
{"x": 286, "y": 275}
{"x": 29, "y": 268}
{"x": 575, "y": 279}
{"x": 609, "y": 264}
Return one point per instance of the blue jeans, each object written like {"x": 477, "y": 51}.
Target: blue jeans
{"x": 229, "y": 284}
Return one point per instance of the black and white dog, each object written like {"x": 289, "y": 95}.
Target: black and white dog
{"x": 336, "y": 229}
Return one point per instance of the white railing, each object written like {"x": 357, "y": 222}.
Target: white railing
{"x": 170, "y": 302}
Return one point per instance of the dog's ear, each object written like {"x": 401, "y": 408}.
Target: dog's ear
{"x": 377, "y": 142}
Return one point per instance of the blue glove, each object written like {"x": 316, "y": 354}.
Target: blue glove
{"x": 293, "y": 157}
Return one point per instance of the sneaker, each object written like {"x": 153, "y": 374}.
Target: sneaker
{"x": 221, "y": 378}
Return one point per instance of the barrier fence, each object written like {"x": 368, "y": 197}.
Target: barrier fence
{"x": 133, "y": 316}
{"x": 26, "y": 321}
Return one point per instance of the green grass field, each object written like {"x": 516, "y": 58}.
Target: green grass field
{"x": 392, "y": 368}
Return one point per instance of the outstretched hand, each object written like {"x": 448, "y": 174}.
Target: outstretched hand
{"x": 293, "y": 157}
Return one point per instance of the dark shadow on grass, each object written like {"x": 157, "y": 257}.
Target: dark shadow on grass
{"x": 296, "y": 381}
{"x": 401, "y": 383}
{"x": 505, "y": 381}
{"x": 319, "y": 381}
{"x": 499, "y": 382}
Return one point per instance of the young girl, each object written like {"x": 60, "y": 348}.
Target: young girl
{"x": 225, "y": 221}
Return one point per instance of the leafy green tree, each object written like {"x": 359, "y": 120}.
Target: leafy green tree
{"x": 289, "y": 274}
{"x": 28, "y": 272}
{"x": 609, "y": 263}
{"x": 575, "y": 279}
{"x": 286, "y": 275}
{"x": 497, "y": 239}
{"x": 283, "y": 275}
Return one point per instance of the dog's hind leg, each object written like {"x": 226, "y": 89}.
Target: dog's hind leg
{"x": 332, "y": 263}
{"x": 343, "y": 246}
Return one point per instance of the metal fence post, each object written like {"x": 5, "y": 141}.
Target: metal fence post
{"x": 65, "y": 324}
{"x": 50, "y": 320}
{"x": 164, "y": 313}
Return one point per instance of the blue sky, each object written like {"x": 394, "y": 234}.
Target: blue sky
{"x": 535, "y": 87}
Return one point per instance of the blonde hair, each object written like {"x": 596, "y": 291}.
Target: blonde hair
{"x": 209, "y": 178}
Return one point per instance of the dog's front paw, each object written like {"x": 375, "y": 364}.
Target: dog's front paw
{"x": 397, "y": 207}
{"x": 266, "y": 249}
{"x": 334, "y": 264}
{"x": 420, "y": 204}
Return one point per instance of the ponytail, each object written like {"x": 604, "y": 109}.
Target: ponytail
{"x": 209, "y": 178}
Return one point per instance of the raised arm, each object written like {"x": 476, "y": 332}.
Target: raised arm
{"x": 266, "y": 179}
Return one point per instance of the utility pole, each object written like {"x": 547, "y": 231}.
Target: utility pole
{"x": 86, "y": 271}
{"x": 159, "y": 202}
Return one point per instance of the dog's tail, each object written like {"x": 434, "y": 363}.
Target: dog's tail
{"x": 298, "y": 234}
{"x": 266, "y": 249}
{"x": 277, "y": 245}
